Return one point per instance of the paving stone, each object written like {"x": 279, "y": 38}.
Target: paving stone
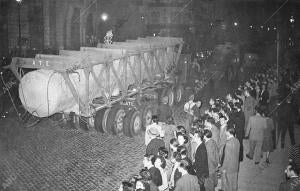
{"x": 48, "y": 157}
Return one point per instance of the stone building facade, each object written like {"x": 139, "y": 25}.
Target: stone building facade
{"x": 68, "y": 24}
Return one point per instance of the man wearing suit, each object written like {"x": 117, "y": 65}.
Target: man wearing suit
{"x": 213, "y": 161}
{"x": 255, "y": 130}
{"x": 239, "y": 122}
{"x": 230, "y": 162}
{"x": 249, "y": 106}
{"x": 201, "y": 161}
{"x": 264, "y": 96}
{"x": 286, "y": 120}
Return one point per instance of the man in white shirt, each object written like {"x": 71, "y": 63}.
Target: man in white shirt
{"x": 188, "y": 108}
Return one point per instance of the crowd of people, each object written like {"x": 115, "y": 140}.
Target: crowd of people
{"x": 209, "y": 147}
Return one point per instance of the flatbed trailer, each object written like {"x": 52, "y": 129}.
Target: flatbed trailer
{"x": 115, "y": 87}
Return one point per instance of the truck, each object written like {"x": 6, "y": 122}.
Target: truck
{"x": 112, "y": 88}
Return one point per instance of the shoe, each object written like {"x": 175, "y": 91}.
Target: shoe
{"x": 267, "y": 161}
{"x": 248, "y": 156}
{"x": 256, "y": 163}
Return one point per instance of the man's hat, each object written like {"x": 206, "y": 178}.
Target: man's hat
{"x": 153, "y": 131}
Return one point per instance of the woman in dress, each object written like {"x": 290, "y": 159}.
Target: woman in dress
{"x": 267, "y": 146}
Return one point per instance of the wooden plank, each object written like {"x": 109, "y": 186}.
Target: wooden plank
{"x": 103, "y": 50}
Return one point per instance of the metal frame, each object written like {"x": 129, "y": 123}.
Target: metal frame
{"x": 136, "y": 58}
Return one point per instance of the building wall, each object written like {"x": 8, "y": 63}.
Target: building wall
{"x": 13, "y": 26}
{"x": 167, "y": 17}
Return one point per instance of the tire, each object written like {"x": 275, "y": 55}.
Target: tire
{"x": 115, "y": 120}
{"x": 104, "y": 121}
{"x": 147, "y": 113}
{"x": 98, "y": 120}
{"x": 179, "y": 94}
{"x": 132, "y": 123}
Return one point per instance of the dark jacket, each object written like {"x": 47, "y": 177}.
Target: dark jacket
{"x": 292, "y": 184}
{"x": 156, "y": 176}
{"x": 201, "y": 162}
{"x": 187, "y": 183}
{"x": 239, "y": 122}
{"x": 264, "y": 97}
{"x": 212, "y": 155}
{"x": 191, "y": 169}
{"x": 154, "y": 145}
{"x": 286, "y": 113}
{"x": 231, "y": 156}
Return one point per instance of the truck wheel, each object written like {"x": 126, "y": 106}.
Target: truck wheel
{"x": 104, "y": 121}
{"x": 98, "y": 120}
{"x": 115, "y": 120}
{"x": 132, "y": 123}
{"x": 179, "y": 93}
{"x": 147, "y": 116}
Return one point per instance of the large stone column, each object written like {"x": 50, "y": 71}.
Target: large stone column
{"x": 69, "y": 25}
{"x": 61, "y": 9}
{"x": 46, "y": 15}
{"x": 82, "y": 28}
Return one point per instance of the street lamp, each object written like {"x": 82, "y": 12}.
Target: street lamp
{"x": 235, "y": 24}
{"x": 292, "y": 20}
{"x": 19, "y": 22}
{"x": 104, "y": 17}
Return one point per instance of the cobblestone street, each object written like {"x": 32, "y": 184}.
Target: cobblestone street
{"x": 47, "y": 157}
{"x": 51, "y": 158}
